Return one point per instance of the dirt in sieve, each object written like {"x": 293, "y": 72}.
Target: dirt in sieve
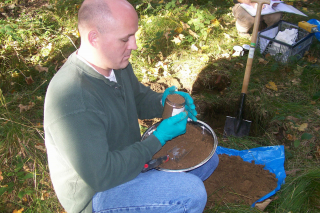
{"x": 237, "y": 181}
{"x": 187, "y": 150}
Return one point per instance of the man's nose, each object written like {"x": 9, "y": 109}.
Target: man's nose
{"x": 133, "y": 44}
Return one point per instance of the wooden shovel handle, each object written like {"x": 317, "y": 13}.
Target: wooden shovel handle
{"x": 253, "y": 44}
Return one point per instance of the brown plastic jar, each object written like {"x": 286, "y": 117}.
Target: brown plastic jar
{"x": 174, "y": 105}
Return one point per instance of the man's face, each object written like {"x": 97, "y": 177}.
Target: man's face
{"x": 115, "y": 45}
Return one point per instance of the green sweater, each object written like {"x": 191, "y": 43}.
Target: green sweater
{"x": 92, "y": 132}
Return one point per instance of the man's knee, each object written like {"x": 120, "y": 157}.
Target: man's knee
{"x": 195, "y": 192}
{"x": 244, "y": 21}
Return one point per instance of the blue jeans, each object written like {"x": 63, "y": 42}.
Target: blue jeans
{"x": 158, "y": 192}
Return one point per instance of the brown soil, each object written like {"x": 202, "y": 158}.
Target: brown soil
{"x": 237, "y": 181}
{"x": 198, "y": 147}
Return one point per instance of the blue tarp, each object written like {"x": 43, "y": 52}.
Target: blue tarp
{"x": 271, "y": 156}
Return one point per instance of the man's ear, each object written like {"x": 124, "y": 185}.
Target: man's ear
{"x": 93, "y": 38}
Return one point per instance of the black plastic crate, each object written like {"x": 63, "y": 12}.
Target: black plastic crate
{"x": 282, "y": 51}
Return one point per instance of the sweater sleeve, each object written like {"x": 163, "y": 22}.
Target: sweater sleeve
{"x": 148, "y": 102}
{"x": 81, "y": 140}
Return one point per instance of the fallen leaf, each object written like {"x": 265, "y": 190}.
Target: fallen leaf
{"x": 218, "y": 79}
{"x": 1, "y": 177}
{"x": 268, "y": 55}
{"x": 292, "y": 172}
{"x": 29, "y": 80}
{"x": 227, "y": 36}
{"x": 215, "y": 22}
{"x": 181, "y": 36}
{"x": 291, "y": 118}
{"x": 44, "y": 195}
{"x": 149, "y": 59}
{"x": 15, "y": 74}
{"x": 39, "y": 125}
{"x": 18, "y": 211}
{"x": 300, "y": 128}
{"x": 56, "y": 68}
{"x": 291, "y": 137}
{"x": 26, "y": 168}
{"x": 295, "y": 81}
{"x": 312, "y": 59}
{"x": 240, "y": 64}
{"x": 204, "y": 58}
{"x": 306, "y": 136}
{"x": 166, "y": 34}
{"x": 312, "y": 102}
{"x": 41, "y": 69}
{"x": 303, "y": 127}
{"x": 41, "y": 147}
{"x": 176, "y": 40}
{"x": 262, "y": 61}
{"x": 26, "y": 107}
{"x": 184, "y": 25}
{"x": 193, "y": 34}
{"x": 317, "y": 112}
{"x": 318, "y": 152}
{"x": 262, "y": 205}
{"x": 225, "y": 55}
{"x": 205, "y": 47}
{"x": 296, "y": 143}
{"x": 194, "y": 48}
{"x": 178, "y": 30}
{"x": 271, "y": 85}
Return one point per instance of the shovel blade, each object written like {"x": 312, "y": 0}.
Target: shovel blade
{"x": 229, "y": 127}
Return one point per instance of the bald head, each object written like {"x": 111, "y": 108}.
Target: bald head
{"x": 92, "y": 14}
{"x": 107, "y": 29}
{"x": 102, "y": 14}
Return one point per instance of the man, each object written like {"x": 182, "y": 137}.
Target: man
{"x": 244, "y": 21}
{"x": 91, "y": 125}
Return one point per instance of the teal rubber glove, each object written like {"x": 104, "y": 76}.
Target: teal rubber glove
{"x": 190, "y": 107}
{"x": 168, "y": 91}
{"x": 171, "y": 127}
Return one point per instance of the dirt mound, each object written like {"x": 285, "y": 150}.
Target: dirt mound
{"x": 237, "y": 181}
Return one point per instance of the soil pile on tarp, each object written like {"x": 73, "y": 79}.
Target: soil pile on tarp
{"x": 238, "y": 181}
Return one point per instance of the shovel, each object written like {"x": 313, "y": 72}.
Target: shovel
{"x": 236, "y": 126}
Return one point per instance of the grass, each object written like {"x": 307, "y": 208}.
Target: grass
{"x": 37, "y": 36}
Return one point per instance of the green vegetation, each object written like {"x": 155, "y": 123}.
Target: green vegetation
{"x": 190, "y": 40}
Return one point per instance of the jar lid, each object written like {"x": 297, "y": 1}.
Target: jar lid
{"x": 175, "y": 100}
